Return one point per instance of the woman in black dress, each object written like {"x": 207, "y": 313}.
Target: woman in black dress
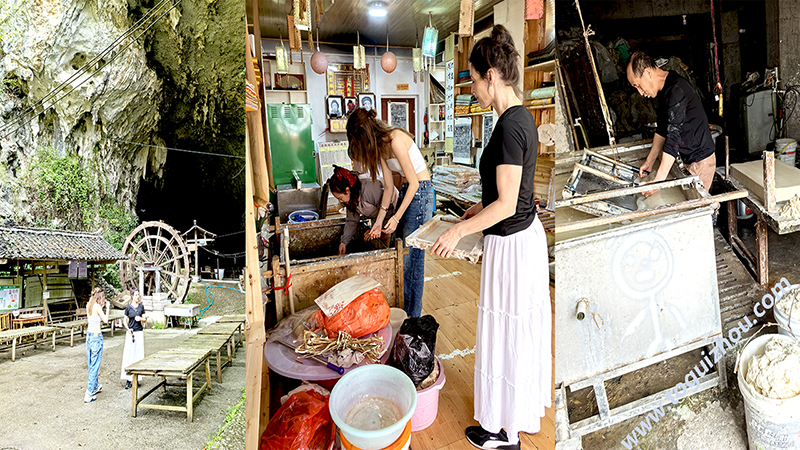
{"x": 513, "y": 357}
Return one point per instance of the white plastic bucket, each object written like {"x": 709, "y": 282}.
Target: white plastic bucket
{"x": 743, "y": 211}
{"x": 786, "y": 150}
{"x": 367, "y": 382}
{"x": 771, "y": 424}
{"x": 783, "y": 319}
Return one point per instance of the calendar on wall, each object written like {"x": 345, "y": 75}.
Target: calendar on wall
{"x": 9, "y": 297}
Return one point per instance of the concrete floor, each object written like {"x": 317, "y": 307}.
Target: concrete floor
{"x": 41, "y": 401}
{"x": 710, "y": 420}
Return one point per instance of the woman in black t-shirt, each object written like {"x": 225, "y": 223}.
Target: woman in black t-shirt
{"x": 512, "y": 359}
{"x": 134, "y": 321}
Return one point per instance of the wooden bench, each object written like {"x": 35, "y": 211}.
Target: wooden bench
{"x": 16, "y": 336}
{"x": 5, "y": 321}
{"x": 81, "y": 324}
{"x": 235, "y": 318}
{"x": 214, "y": 342}
{"x": 224, "y": 329}
{"x": 180, "y": 363}
{"x": 29, "y": 316}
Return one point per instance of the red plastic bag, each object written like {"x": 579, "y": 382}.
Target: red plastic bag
{"x": 302, "y": 423}
{"x": 368, "y": 313}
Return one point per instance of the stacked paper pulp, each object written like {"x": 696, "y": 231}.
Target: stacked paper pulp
{"x": 458, "y": 182}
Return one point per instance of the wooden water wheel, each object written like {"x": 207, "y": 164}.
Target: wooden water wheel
{"x": 156, "y": 245}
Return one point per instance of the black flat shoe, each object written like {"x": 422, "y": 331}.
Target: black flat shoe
{"x": 128, "y": 385}
{"x": 485, "y": 440}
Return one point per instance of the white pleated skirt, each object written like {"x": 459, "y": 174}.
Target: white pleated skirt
{"x": 133, "y": 352}
{"x": 513, "y": 361}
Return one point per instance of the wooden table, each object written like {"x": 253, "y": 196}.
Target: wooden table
{"x": 22, "y": 321}
{"x": 16, "y": 335}
{"x": 235, "y": 318}
{"x": 225, "y": 329}
{"x": 213, "y": 342}
{"x": 180, "y": 363}
{"x": 758, "y": 263}
{"x": 81, "y": 324}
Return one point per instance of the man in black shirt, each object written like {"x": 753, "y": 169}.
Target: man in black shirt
{"x": 682, "y": 123}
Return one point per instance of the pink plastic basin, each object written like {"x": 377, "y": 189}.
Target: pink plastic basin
{"x": 428, "y": 403}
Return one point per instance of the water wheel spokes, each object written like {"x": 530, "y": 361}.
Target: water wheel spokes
{"x": 156, "y": 245}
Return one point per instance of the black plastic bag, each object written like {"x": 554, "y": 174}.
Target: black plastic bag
{"x": 415, "y": 348}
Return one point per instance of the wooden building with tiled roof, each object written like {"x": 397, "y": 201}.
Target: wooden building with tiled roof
{"x": 50, "y": 269}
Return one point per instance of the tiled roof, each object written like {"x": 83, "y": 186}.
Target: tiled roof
{"x": 44, "y": 243}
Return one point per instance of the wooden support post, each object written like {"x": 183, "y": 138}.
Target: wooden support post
{"x": 134, "y": 394}
{"x": 13, "y": 349}
{"x": 256, "y": 190}
{"x": 278, "y": 293}
{"x": 733, "y": 225}
{"x": 196, "y": 254}
{"x": 45, "y": 309}
{"x": 727, "y": 159}
{"x": 287, "y": 265}
{"x": 763, "y": 254}
{"x": 190, "y": 396}
{"x": 399, "y": 296}
{"x": 769, "y": 181}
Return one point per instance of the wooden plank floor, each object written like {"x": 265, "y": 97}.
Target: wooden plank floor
{"x": 451, "y": 296}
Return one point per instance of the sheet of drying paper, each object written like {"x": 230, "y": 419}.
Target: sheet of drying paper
{"x": 339, "y": 296}
{"x": 469, "y": 248}
{"x": 751, "y": 176}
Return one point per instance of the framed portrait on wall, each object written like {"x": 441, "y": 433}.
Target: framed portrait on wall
{"x": 366, "y": 100}
{"x": 335, "y": 106}
{"x": 350, "y": 103}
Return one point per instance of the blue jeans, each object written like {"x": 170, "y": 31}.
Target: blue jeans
{"x": 94, "y": 352}
{"x": 419, "y": 211}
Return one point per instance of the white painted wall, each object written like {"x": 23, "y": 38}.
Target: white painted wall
{"x": 383, "y": 85}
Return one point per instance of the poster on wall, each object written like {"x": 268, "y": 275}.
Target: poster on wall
{"x": 398, "y": 114}
{"x": 346, "y": 81}
{"x": 330, "y": 153}
{"x": 486, "y": 134}
{"x": 462, "y": 140}
{"x": 448, "y": 95}
{"x": 9, "y": 298}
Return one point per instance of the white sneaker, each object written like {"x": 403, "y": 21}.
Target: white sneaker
{"x": 87, "y": 399}
{"x": 99, "y": 388}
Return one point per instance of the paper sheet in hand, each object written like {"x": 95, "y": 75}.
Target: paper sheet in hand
{"x": 469, "y": 248}
{"x": 339, "y": 296}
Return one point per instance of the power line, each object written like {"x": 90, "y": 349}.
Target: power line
{"x": 230, "y": 234}
{"x": 175, "y": 149}
{"x": 225, "y": 255}
{"x": 83, "y": 71}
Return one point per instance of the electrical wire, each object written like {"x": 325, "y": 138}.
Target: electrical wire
{"x": 20, "y": 119}
{"x": 175, "y": 149}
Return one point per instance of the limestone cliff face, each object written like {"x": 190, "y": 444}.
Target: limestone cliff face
{"x": 177, "y": 81}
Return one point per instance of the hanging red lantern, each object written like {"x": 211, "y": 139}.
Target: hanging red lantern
{"x": 319, "y": 62}
{"x": 388, "y": 62}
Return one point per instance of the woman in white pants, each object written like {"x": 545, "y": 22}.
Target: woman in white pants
{"x": 513, "y": 358}
{"x": 134, "y": 322}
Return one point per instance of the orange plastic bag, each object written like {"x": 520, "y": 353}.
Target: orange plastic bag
{"x": 302, "y": 423}
{"x": 368, "y": 313}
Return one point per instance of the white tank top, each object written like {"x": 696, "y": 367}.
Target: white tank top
{"x": 417, "y": 161}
